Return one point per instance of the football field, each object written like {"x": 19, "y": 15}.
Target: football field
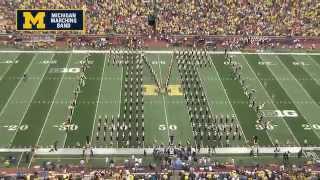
{"x": 33, "y": 109}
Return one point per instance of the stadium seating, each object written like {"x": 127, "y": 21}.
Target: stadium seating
{"x": 234, "y": 17}
{"x": 207, "y": 17}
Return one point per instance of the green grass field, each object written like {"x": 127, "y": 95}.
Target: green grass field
{"x": 32, "y": 111}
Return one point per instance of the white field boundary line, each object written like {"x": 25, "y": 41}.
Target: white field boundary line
{"x": 55, "y": 95}
{"x": 209, "y": 104}
{"x": 14, "y": 90}
{"x": 306, "y": 93}
{"x": 27, "y": 109}
{"x": 272, "y": 103}
{"x": 95, "y": 114}
{"x": 66, "y": 136}
{"x": 156, "y": 52}
{"x": 225, "y": 92}
{"x": 140, "y": 151}
{"x": 164, "y": 100}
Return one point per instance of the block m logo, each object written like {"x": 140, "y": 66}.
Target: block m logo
{"x": 37, "y": 20}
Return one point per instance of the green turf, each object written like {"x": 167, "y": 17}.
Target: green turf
{"x": 37, "y": 112}
{"x": 12, "y": 77}
{"x": 316, "y": 58}
{"x": 109, "y": 100}
{"x": 299, "y": 96}
{"x": 247, "y": 116}
{"x": 279, "y": 95}
{"x": 303, "y": 77}
{"x": 41, "y": 102}
{"x": 177, "y": 113}
{"x": 217, "y": 97}
{"x": 154, "y": 106}
{"x": 312, "y": 65}
{"x": 135, "y": 114}
{"x": 278, "y": 129}
{"x": 52, "y": 130}
{"x": 21, "y": 99}
{"x": 84, "y": 113}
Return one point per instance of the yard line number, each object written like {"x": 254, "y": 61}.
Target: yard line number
{"x": 300, "y": 64}
{"x": 48, "y": 62}
{"x": 158, "y": 62}
{"x": 64, "y": 70}
{"x": 280, "y": 113}
{"x": 266, "y": 63}
{"x": 261, "y": 127}
{"x": 64, "y": 127}
{"x": 172, "y": 127}
{"x": 304, "y": 126}
{"x": 22, "y": 127}
{"x": 83, "y": 61}
{"x": 311, "y": 126}
{"x": 9, "y": 62}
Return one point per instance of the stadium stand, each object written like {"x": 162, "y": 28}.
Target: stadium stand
{"x": 233, "y": 17}
{"x": 228, "y": 17}
{"x": 132, "y": 169}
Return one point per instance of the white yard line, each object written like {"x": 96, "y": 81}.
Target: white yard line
{"x": 164, "y": 101}
{"x": 306, "y": 69}
{"x": 119, "y": 111}
{"x": 270, "y": 99}
{"x": 65, "y": 137}
{"x": 155, "y": 52}
{"x": 14, "y": 90}
{"x": 311, "y": 59}
{"x": 20, "y": 160}
{"x": 204, "y": 87}
{"x": 5, "y": 72}
{"x": 307, "y": 94}
{"x": 35, "y": 92}
{"x": 95, "y": 114}
{"x": 224, "y": 90}
{"x": 294, "y": 78}
{"x": 15, "y": 57}
{"x": 30, "y": 102}
{"x": 55, "y": 95}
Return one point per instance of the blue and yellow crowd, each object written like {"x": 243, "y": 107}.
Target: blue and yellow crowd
{"x": 186, "y": 17}
{"x": 167, "y": 175}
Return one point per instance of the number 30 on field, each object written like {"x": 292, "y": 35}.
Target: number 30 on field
{"x": 64, "y": 70}
{"x": 163, "y": 127}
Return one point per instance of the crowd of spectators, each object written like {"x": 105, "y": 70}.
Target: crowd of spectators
{"x": 238, "y": 17}
{"x": 167, "y": 163}
{"x": 183, "y": 17}
{"x": 207, "y": 170}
